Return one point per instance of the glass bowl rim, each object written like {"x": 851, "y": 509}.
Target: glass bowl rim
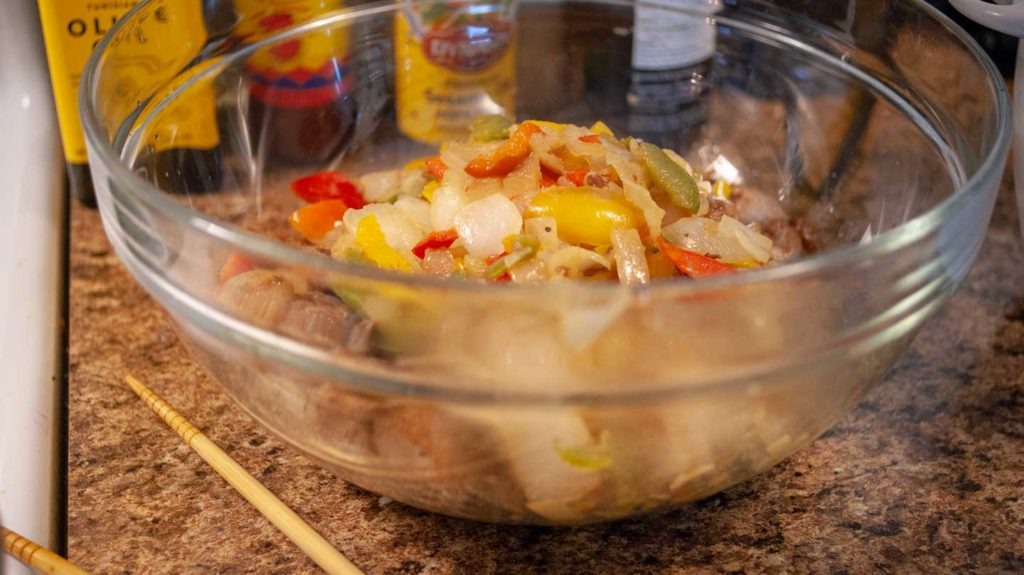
{"x": 309, "y": 359}
{"x": 273, "y": 250}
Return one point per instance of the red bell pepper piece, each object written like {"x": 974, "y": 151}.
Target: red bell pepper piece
{"x": 577, "y": 177}
{"x": 234, "y": 265}
{"x": 436, "y": 167}
{"x": 590, "y": 139}
{"x": 315, "y": 220}
{"x": 693, "y": 264}
{"x": 507, "y": 157}
{"x": 435, "y": 241}
{"x": 328, "y": 186}
{"x": 547, "y": 178}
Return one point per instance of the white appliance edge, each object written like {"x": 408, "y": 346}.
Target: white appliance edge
{"x": 31, "y": 285}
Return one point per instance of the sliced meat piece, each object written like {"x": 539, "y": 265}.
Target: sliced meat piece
{"x": 753, "y": 206}
{"x": 269, "y": 300}
{"x": 786, "y": 241}
{"x": 718, "y": 208}
{"x": 325, "y": 321}
{"x": 258, "y": 296}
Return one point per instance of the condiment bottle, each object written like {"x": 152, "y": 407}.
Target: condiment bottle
{"x": 301, "y": 109}
{"x": 454, "y": 62}
{"x": 670, "y": 70}
{"x": 182, "y": 150}
{"x": 71, "y": 28}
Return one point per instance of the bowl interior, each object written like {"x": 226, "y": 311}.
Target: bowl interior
{"x": 843, "y": 125}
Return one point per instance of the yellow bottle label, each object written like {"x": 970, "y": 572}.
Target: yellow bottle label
{"x": 71, "y": 28}
{"x": 452, "y": 66}
{"x": 146, "y": 61}
{"x": 309, "y": 71}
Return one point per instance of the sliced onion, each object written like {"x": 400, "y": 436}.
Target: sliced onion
{"x": 694, "y": 234}
{"x": 532, "y": 270}
{"x": 439, "y": 263}
{"x": 456, "y": 155}
{"x": 630, "y": 257}
{"x": 544, "y": 229}
{"x": 417, "y": 209}
{"x": 732, "y": 242}
{"x": 574, "y": 262}
{"x": 411, "y": 182}
{"x": 524, "y": 180}
{"x": 483, "y": 224}
{"x": 641, "y": 198}
{"x": 380, "y": 186}
{"x": 625, "y": 166}
{"x": 758, "y": 245}
{"x": 755, "y": 206}
{"x": 477, "y": 188}
{"x": 447, "y": 200}
{"x": 400, "y": 230}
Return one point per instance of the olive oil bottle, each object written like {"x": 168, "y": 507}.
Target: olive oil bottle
{"x": 182, "y": 154}
{"x": 71, "y": 28}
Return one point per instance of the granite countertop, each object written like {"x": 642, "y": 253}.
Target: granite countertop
{"x": 925, "y": 476}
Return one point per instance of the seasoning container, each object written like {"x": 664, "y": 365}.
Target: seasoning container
{"x": 453, "y": 62}
{"x": 300, "y": 91}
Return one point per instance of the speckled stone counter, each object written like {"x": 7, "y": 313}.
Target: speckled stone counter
{"x": 925, "y": 476}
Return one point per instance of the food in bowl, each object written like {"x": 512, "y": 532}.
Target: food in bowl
{"x": 522, "y": 203}
{"x": 540, "y": 200}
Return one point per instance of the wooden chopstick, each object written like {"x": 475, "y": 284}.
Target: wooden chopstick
{"x": 35, "y": 556}
{"x": 304, "y": 536}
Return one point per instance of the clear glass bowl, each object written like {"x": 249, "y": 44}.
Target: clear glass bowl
{"x": 563, "y": 403}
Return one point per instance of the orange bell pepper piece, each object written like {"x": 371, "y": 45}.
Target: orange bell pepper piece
{"x": 577, "y": 177}
{"x": 315, "y": 220}
{"x": 436, "y": 167}
{"x": 693, "y": 264}
{"x": 590, "y": 139}
{"x": 507, "y": 157}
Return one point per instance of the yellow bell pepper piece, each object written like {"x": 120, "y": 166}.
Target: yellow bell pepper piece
{"x": 601, "y": 129}
{"x": 417, "y": 164}
{"x": 428, "y": 190}
{"x": 370, "y": 238}
{"x": 582, "y": 216}
{"x": 509, "y": 243}
{"x": 721, "y": 190}
{"x": 553, "y": 126}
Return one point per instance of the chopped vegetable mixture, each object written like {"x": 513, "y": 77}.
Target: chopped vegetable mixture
{"x": 537, "y": 201}
{"x": 532, "y": 202}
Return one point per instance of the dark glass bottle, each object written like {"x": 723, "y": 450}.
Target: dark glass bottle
{"x": 648, "y": 78}
{"x": 671, "y": 68}
{"x": 70, "y": 29}
{"x": 184, "y": 155}
{"x": 300, "y": 108}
